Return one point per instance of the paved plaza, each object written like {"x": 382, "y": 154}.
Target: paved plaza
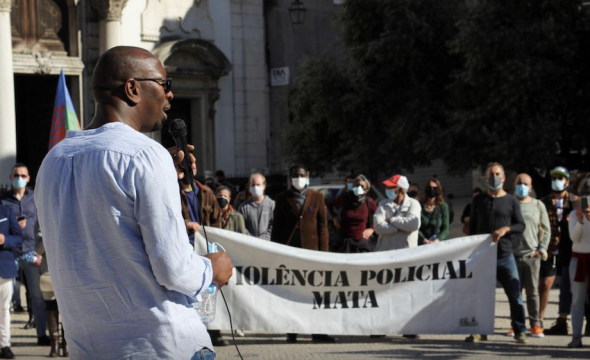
{"x": 263, "y": 346}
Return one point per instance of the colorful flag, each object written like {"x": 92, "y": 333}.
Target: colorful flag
{"x": 64, "y": 114}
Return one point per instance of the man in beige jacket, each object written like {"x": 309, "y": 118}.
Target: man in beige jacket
{"x": 397, "y": 219}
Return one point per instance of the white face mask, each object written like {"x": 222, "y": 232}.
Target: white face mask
{"x": 299, "y": 183}
{"x": 358, "y": 191}
{"x": 257, "y": 191}
{"x": 558, "y": 185}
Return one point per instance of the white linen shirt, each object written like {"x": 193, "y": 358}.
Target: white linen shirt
{"x": 123, "y": 270}
{"x": 397, "y": 225}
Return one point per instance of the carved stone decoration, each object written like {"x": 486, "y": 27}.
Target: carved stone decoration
{"x": 43, "y": 58}
{"x": 193, "y": 57}
{"x": 161, "y": 21}
{"x": 5, "y": 4}
{"x": 49, "y": 22}
{"x": 109, "y": 10}
{"x": 35, "y": 27}
{"x": 15, "y": 24}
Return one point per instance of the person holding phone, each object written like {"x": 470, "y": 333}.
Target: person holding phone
{"x": 579, "y": 269}
{"x": 530, "y": 248}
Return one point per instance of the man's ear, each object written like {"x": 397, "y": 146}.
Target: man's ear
{"x": 132, "y": 91}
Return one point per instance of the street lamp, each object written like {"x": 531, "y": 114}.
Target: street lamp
{"x": 297, "y": 12}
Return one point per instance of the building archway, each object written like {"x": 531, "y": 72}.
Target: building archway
{"x": 195, "y": 66}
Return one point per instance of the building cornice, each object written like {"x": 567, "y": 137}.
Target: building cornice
{"x": 5, "y": 5}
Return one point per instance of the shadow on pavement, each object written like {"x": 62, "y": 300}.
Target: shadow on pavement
{"x": 457, "y": 349}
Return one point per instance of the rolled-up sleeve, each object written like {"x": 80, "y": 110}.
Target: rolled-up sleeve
{"x": 158, "y": 211}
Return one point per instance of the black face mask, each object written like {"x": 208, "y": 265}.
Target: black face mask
{"x": 431, "y": 192}
{"x": 222, "y": 202}
{"x": 412, "y": 193}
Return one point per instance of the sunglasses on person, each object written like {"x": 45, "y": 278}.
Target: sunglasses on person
{"x": 166, "y": 83}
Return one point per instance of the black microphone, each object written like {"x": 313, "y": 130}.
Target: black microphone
{"x": 178, "y": 130}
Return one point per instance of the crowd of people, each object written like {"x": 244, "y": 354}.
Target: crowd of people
{"x": 533, "y": 238}
{"x": 119, "y": 220}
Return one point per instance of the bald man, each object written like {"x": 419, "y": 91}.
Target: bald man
{"x": 530, "y": 248}
{"x": 258, "y": 210}
{"x": 124, "y": 273}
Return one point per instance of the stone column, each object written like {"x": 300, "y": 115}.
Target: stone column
{"x": 110, "y": 22}
{"x": 7, "y": 109}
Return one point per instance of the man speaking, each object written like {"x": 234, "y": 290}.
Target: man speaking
{"x": 122, "y": 268}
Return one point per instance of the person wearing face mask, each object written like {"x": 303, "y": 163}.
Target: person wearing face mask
{"x": 200, "y": 208}
{"x": 230, "y": 219}
{"x": 414, "y": 191}
{"x": 579, "y": 266}
{"x": 20, "y": 199}
{"x": 560, "y": 203}
{"x": 397, "y": 219}
{"x": 300, "y": 220}
{"x": 355, "y": 222}
{"x": 434, "y": 218}
{"x": 11, "y": 237}
{"x": 348, "y": 180}
{"x": 258, "y": 210}
{"x": 530, "y": 248}
{"x": 498, "y": 213}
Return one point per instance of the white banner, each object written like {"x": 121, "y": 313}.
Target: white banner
{"x": 443, "y": 288}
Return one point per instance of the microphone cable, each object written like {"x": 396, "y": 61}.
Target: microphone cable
{"x": 231, "y": 326}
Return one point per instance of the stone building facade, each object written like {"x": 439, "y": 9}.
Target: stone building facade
{"x": 223, "y": 56}
{"x": 213, "y": 50}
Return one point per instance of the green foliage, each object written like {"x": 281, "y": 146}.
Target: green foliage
{"x": 469, "y": 82}
{"x": 522, "y": 93}
{"x": 317, "y": 135}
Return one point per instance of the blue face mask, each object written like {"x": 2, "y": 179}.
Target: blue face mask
{"x": 349, "y": 186}
{"x": 391, "y": 194}
{"x": 19, "y": 183}
{"x": 522, "y": 191}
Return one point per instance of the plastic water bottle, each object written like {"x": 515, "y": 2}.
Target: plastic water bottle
{"x": 207, "y": 306}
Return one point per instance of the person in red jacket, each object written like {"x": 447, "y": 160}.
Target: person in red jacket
{"x": 353, "y": 212}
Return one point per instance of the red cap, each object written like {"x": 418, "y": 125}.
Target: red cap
{"x": 397, "y": 180}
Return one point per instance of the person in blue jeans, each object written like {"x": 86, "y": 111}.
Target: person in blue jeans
{"x": 11, "y": 237}
{"x": 20, "y": 199}
{"x": 498, "y": 213}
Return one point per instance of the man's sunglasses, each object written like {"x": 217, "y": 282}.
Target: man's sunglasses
{"x": 165, "y": 83}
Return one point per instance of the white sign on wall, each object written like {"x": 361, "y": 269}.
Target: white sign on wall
{"x": 279, "y": 76}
